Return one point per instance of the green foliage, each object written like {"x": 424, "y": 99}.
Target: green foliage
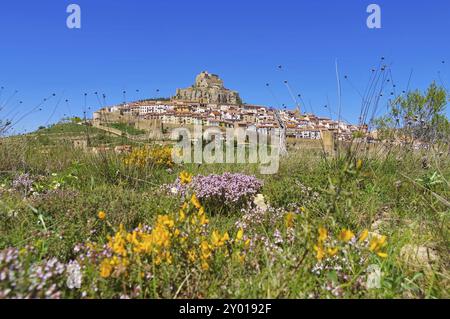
{"x": 76, "y": 120}
{"x": 68, "y": 129}
{"x": 417, "y": 115}
{"x": 127, "y": 129}
{"x": 358, "y": 134}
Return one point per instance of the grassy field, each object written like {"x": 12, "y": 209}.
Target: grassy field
{"x": 66, "y": 133}
{"x": 78, "y": 225}
{"x": 126, "y": 128}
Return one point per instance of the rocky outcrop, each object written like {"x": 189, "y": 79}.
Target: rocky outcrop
{"x": 420, "y": 256}
{"x": 208, "y": 88}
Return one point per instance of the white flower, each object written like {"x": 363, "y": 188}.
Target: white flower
{"x": 259, "y": 201}
{"x": 278, "y": 238}
{"x": 74, "y": 276}
{"x": 174, "y": 190}
{"x": 12, "y": 214}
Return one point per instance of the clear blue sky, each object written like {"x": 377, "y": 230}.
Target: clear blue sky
{"x": 163, "y": 44}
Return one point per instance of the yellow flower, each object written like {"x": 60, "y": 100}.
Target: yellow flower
{"x": 205, "y": 250}
{"x": 23, "y": 252}
{"x": 289, "y": 220}
{"x": 247, "y": 243}
{"x": 118, "y": 242}
{"x": 182, "y": 216}
{"x": 160, "y": 236}
{"x": 240, "y": 257}
{"x": 166, "y": 221}
{"x": 203, "y": 220}
{"x": 239, "y": 235}
{"x": 374, "y": 243}
{"x": 346, "y": 235}
{"x": 168, "y": 258}
{"x": 132, "y": 238}
{"x": 377, "y": 243}
{"x": 226, "y": 237}
{"x": 143, "y": 156}
{"x": 205, "y": 266}
{"x": 217, "y": 240}
{"x": 101, "y": 215}
{"x": 320, "y": 252}
{"x": 332, "y": 251}
{"x": 185, "y": 178}
{"x": 363, "y": 235}
{"x": 323, "y": 234}
{"x": 359, "y": 164}
{"x": 195, "y": 202}
{"x": 105, "y": 268}
{"x": 192, "y": 256}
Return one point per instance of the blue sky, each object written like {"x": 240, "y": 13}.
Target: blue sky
{"x": 163, "y": 44}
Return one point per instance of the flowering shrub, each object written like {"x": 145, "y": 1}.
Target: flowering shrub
{"x": 328, "y": 247}
{"x": 144, "y": 156}
{"x": 22, "y": 278}
{"x": 218, "y": 190}
{"x": 23, "y": 183}
{"x": 259, "y": 216}
{"x": 346, "y": 257}
{"x": 338, "y": 261}
{"x": 174, "y": 242}
{"x": 181, "y": 240}
{"x": 39, "y": 185}
{"x": 155, "y": 260}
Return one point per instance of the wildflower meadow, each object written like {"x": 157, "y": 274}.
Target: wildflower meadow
{"x": 137, "y": 225}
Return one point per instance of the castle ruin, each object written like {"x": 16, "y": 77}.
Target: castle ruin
{"x": 208, "y": 89}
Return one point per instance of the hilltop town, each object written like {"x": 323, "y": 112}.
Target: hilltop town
{"x": 210, "y": 104}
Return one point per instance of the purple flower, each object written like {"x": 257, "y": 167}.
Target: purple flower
{"x": 23, "y": 182}
{"x": 19, "y": 279}
{"x": 228, "y": 188}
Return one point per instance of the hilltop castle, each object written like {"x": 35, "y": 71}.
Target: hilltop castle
{"x": 208, "y": 89}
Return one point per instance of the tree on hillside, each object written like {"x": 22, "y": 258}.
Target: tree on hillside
{"x": 417, "y": 116}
